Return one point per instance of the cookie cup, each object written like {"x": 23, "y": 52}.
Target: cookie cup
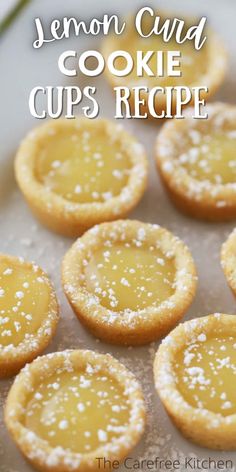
{"x": 197, "y": 198}
{"x": 128, "y": 327}
{"x": 38, "y": 451}
{"x": 67, "y": 217}
{"x": 14, "y": 356}
{"x": 228, "y": 260}
{"x": 201, "y": 426}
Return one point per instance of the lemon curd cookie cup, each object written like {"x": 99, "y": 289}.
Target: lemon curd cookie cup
{"x": 195, "y": 371}
{"x": 28, "y": 313}
{"x": 129, "y": 282}
{"x": 228, "y": 260}
{"x": 205, "y": 67}
{"x": 67, "y": 409}
{"x": 76, "y": 173}
{"x": 196, "y": 160}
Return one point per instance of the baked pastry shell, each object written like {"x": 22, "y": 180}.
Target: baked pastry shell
{"x": 228, "y": 260}
{"x": 214, "y": 202}
{"x": 36, "y": 450}
{"x": 201, "y": 426}
{"x": 139, "y": 327}
{"x": 72, "y": 218}
{"x": 13, "y": 358}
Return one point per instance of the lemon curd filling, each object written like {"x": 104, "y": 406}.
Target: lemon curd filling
{"x": 129, "y": 277}
{"x": 211, "y": 157}
{"x": 24, "y": 300}
{"x": 78, "y": 411}
{"x": 206, "y": 374}
{"x": 82, "y": 166}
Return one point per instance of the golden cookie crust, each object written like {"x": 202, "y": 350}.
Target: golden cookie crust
{"x": 201, "y": 426}
{"x": 36, "y": 450}
{"x": 72, "y": 218}
{"x": 13, "y": 358}
{"x": 199, "y": 199}
{"x": 213, "y": 78}
{"x": 228, "y": 260}
{"x": 138, "y": 327}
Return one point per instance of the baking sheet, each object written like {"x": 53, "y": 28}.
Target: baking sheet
{"x": 21, "y": 69}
